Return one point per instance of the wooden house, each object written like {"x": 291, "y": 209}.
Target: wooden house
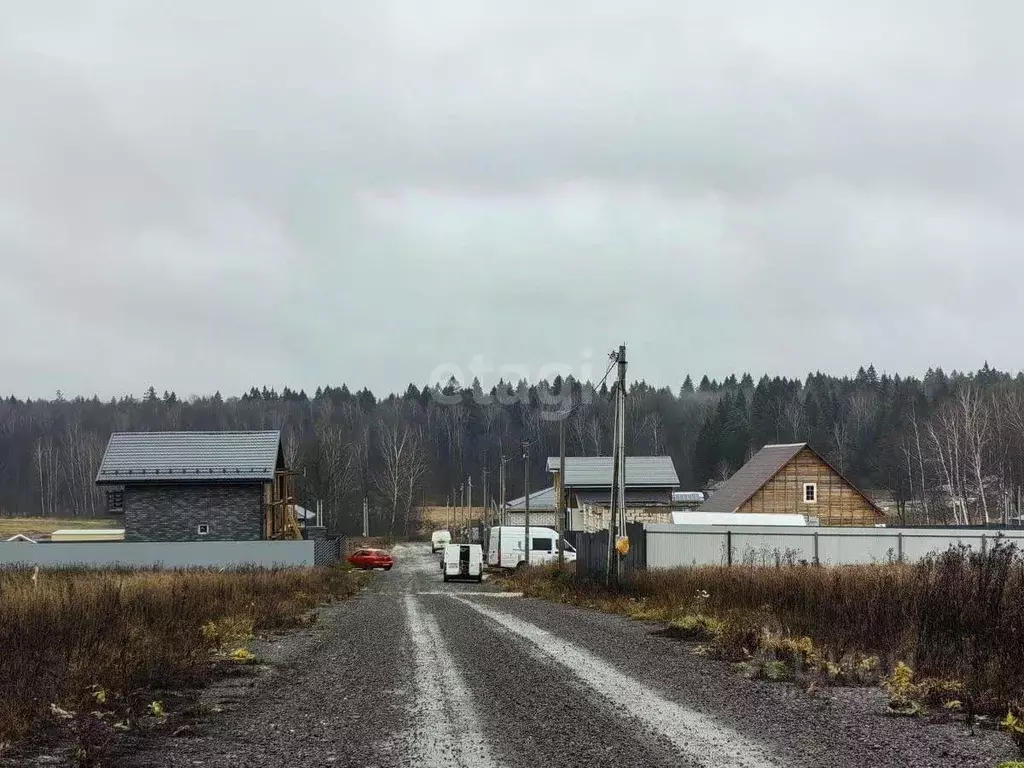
{"x": 794, "y": 479}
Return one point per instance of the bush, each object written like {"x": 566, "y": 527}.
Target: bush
{"x": 956, "y": 617}
{"x": 75, "y": 639}
{"x": 695, "y": 627}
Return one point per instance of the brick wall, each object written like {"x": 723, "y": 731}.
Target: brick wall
{"x": 234, "y": 512}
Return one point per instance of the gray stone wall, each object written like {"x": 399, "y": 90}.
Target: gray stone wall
{"x": 174, "y": 512}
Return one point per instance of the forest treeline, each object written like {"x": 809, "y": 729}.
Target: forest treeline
{"x": 945, "y": 448}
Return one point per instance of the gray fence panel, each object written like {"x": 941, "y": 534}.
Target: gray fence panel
{"x": 874, "y": 546}
{"x": 149, "y": 554}
{"x": 592, "y": 554}
{"x": 670, "y": 550}
{"x": 673, "y": 546}
{"x": 328, "y": 551}
{"x": 786, "y": 547}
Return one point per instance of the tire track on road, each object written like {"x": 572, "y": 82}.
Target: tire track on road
{"x": 446, "y": 732}
{"x": 694, "y": 735}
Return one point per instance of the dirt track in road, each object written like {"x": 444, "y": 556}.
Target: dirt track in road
{"x": 415, "y": 672}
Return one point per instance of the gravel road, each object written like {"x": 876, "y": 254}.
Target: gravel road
{"x": 415, "y": 672}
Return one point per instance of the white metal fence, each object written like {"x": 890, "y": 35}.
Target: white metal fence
{"x": 150, "y": 554}
{"x": 673, "y": 546}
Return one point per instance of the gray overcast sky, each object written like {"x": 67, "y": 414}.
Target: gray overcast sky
{"x": 210, "y": 195}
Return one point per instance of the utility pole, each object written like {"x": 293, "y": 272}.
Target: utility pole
{"x": 618, "y": 465}
{"x": 502, "y": 492}
{"x": 526, "y": 483}
{"x": 366, "y": 517}
{"x": 487, "y": 502}
{"x": 469, "y": 505}
{"x": 462, "y": 503}
{"x": 560, "y": 504}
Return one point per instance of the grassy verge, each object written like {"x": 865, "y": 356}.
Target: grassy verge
{"x": 944, "y": 634}
{"x": 12, "y": 525}
{"x": 86, "y": 649}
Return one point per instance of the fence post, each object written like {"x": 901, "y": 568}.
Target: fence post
{"x": 817, "y": 559}
{"x": 728, "y": 547}
{"x": 899, "y": 546}
{"x": 983, "y": 545}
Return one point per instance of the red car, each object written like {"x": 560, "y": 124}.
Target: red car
{"x": 371, "y": 558}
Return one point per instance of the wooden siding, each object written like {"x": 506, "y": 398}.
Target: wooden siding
{"x": 838, "y": 502}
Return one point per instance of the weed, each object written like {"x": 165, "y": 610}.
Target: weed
{"x": 243, "y": 655}
{"x": 954, "y": 616}
{"x": 78, "y": 641}
{"x": 695, "y": 627}
{"x": 1014, "y": 725}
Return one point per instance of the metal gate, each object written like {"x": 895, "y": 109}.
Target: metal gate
{"x": 592, "y": 554}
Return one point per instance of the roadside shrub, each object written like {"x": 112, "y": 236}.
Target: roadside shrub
{"x": 695, "y": 627}
{"x": 956, "y": 617}
{"x": 72, "y": 640}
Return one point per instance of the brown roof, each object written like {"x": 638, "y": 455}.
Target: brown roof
{"x": 751, "y": 477}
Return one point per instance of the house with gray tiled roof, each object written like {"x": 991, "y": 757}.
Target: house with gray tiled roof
{"x": 650, "y": 482}
{"x": 195, "y": 486}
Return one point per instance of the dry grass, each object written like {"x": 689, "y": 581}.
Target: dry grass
{"x": 436, "y": 518}
{"x": 74, "y": 641}
{"x": 957, "y": 619}
{"x": 29, "y": 525}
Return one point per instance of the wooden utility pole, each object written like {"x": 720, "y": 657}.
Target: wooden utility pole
{"x": 618, "y": 464}
{"x": 560, "y": 503}
{"x": 469, "y": 505}
{"x": 501, "y": 491}
{"x": 487, "y": 505}
{"x": 526, "y": 483}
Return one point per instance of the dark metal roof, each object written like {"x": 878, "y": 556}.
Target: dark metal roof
{"x": 641, "y": 497}
{"x": 176, "y": 457}
{"x": 751, "y": 477}
{"x": 596, "y": 471}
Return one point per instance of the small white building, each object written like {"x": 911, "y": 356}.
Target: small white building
{"x": 87, "y": 534}
{"x": 737, "y": 518}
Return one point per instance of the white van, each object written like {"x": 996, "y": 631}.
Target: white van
{"x": 505, "y": 548}
{"x": 439, "y": 540}
{"x": 463, "y": 561}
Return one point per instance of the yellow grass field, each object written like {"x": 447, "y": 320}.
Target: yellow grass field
{"x": 46, "y": 525}
{"x": 434, "y": 518}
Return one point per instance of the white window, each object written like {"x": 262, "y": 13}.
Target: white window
{"x": 810, "y": 493}
{"x": 203, "y": 529}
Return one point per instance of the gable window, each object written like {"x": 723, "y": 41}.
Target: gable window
{"x": 203, "y": 529}
{"x": 810, "y": 493}
{"x": 115, "y": 502}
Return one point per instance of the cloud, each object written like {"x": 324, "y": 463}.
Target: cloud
{"x": 210, "y": 196}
